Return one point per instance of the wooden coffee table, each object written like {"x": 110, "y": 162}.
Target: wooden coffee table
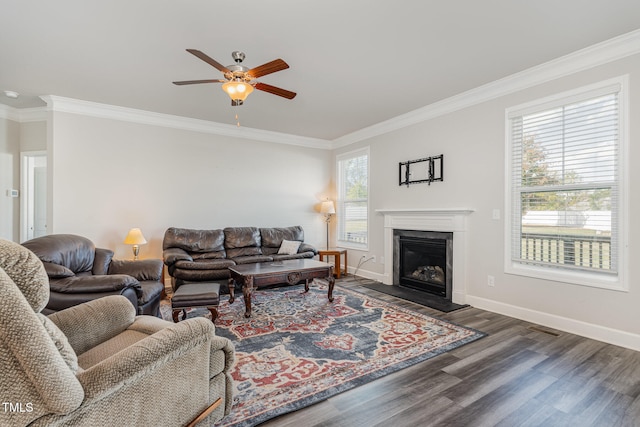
{"x": 291, "y": 272}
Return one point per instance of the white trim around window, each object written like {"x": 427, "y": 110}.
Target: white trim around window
{"x": 353, "y": 172}
{"x": 533, "y": 205}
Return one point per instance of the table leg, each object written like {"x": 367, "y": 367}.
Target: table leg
{"x": 332, "y": 282}
{"x": 306, "y": 285}
{"x": 346, "y": 264}
{"x": 176, "y": 313}
{"x": 247, "y": 290}
{"x": 232, "y": 285}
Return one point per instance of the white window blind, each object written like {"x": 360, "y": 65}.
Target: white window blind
{"x": 353, "y": 198}
{"x": 565, "y": 183}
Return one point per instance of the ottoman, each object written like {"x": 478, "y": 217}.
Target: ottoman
{"x": 196, "y": 294}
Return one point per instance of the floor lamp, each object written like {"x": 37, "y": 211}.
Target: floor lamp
{"x": 327, "y": 209}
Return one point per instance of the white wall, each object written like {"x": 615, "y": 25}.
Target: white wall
{"x": 33, "y": 136}
{"x": 473, "y": 143}
{"x": 9, "y": 178}
{"x": 108, "y": 176}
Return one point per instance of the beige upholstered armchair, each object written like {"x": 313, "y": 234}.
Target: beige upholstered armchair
{"x": 98, "y": 363}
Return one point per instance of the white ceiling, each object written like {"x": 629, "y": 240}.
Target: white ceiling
{"x": 354, "y": 63}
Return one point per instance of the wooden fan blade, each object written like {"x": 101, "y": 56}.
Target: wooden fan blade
{"x": 268, "y": 68}
{"x": 195, "y": 82}
{"x": 209, "y": 60}
{"x": 275, "y": 90}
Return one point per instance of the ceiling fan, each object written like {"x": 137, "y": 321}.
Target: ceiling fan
{"x": 239, "y": 81}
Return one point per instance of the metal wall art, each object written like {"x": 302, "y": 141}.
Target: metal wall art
{"x": 418, "y": 171}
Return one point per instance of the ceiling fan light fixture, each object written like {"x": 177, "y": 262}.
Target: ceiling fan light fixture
{"x": 237, "y": 90}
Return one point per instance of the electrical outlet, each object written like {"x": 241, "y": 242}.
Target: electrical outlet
{"x": 495, "y": 214}
{"x": 491, "y": 281}
{"x": 381, "y": 260}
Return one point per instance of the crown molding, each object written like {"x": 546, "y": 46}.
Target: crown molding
{"x": 602, "y": 53}
{"x": 9, "y": 113}
{"x": 105, "y": 111}
{"x": 22, "y": 115}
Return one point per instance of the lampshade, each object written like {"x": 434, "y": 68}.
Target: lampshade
{"x": 327, "y": 208}
{"x": 237, "y": 90}
{"x": 135, "y": 237}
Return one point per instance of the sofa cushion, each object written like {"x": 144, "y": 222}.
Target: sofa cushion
{"x": 252, "y": 259}
{"x": 208, "y": 255}
{"x": 180, "y": 274}
{"x": 172, "y": 255}
{"x": 205, "y": 264}
{"x": 273, "y": 237}
{"x": 151, "y": 290}
{"x": 146, "y": 269}
{"x": 242, "y": 241}
{"x": 289, "y": 247}
{"x": 55, "y": 271}
{"x": 194, "y": 241}
{"x": 240, "y": 252}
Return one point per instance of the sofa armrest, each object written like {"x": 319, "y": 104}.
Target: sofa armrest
{"x": 101, "y": 261}
{"x": 147, "y": 269}
{"x": 305, "y": 247}
{"x": 173, "y": 255}
{"x": 88, "y": 284}
{"x": 189, "y": 340}
{"x": 89, "y": 324}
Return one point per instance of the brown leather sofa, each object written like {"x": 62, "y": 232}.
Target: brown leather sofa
{"x": 200, "y": 255}
{"x": 79, "y": 272}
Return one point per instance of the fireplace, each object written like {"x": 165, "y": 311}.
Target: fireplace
{"x": 423, "y": 260}
{"x": 448, "y": 220}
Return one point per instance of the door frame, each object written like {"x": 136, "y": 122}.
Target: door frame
{"x": 27, "y": 193}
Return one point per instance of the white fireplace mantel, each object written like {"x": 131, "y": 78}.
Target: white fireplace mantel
{"x": 448, "y": 220}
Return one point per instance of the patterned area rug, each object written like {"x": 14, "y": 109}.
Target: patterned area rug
{"x": 298, "y": 348}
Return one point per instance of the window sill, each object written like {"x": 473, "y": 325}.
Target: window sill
{"x": 354, "y": 246}
{"x": 607, "y": 281}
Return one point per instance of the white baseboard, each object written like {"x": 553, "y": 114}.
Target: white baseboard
{"x": 589, "y": 330}
{"x": 367, "y": 274}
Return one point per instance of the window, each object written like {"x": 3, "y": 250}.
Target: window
{"x": 565, "y": 187}
{"x": 353, "y": 199}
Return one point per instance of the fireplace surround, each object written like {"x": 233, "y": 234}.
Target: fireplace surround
{"x": 452, "y": 220}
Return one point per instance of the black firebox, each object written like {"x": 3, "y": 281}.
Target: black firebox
{"x": 422, "y": 260}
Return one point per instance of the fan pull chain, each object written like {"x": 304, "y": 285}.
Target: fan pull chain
{"x": 237, "y": 121}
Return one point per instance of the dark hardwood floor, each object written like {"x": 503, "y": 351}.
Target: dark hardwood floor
{"x": 519, "y": 375}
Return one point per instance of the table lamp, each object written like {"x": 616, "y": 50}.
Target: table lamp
{"x": 135, "y": 238}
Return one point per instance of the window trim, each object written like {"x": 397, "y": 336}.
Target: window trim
{"x": 340, "y": 206}
{"x": 616, "y": 282}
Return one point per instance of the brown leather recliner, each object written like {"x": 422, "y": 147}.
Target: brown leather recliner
{"x": 200, "y": 255}
{"x": 79, "y": 272}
